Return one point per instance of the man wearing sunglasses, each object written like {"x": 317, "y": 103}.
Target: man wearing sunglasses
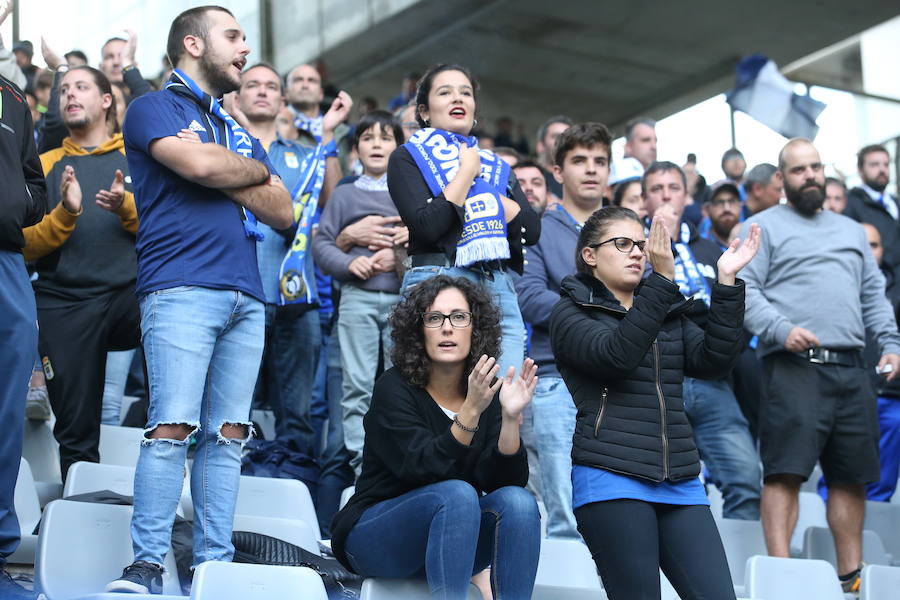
{"x": 582, "y": 168}
{"x": 721, "y": 432}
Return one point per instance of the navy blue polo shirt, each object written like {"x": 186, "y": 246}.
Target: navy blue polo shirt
{"x": 188, "y": 234}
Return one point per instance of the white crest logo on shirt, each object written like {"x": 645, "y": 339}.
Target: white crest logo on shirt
{"x": 291, "y": 160}
{"x": 195, "y": 126}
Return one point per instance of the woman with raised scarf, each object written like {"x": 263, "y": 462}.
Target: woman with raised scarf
{"x": 466, "y": 216}
{"x": 623, "y": 345}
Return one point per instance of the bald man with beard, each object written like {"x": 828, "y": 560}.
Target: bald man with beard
{"x": 813, "y": 291}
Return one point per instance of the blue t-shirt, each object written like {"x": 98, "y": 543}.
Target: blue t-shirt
{"x": 590, "y": 484}
{"x": 287, "y": 156}
{"x": 188, "y": 234}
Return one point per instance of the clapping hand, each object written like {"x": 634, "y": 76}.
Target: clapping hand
{"x": 482, "y": 386}
{"x": 738, "y": 255}
{"x": 70, "y": 191}
{"x": 516, "y": 392}
{"x": 659, "y": 249}
{"x": 112, "y": 198}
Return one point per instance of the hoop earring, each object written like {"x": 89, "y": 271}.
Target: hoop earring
{"x": 474, "y": 123}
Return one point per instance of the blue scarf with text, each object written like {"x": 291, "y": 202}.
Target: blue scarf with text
{"x": 483, "y": 237}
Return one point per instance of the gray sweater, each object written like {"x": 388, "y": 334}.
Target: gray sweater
{"x": 817, "y": 273}
{"x": 347, "y": 205}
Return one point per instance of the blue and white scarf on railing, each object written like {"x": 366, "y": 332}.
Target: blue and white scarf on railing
{"x": 294, "y": 286}
{"x": 236, "y": 138}
{"x": 483, "y": 236}
{"x": 690, "y": 280}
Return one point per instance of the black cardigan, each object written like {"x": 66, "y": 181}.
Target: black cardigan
{"x": 435, "y": 224}
{"x": 409, "y": 445}
{"x": 625, "y": 371}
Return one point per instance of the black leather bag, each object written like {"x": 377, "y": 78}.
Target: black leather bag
{"x": 256, "y": 548}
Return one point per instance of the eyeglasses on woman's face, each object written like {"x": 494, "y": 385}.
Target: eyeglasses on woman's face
{"x": 458, "y": 319}
{"x": 623, "y": 244}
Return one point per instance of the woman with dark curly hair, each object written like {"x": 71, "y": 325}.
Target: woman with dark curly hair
{"x": 441, "y": 492}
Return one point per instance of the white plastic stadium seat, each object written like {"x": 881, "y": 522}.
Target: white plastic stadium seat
{"x": 812, "y": 514}
{"x": 819, "y": 543}
{"x": 565, "y": 564}
{"x": 741, "y": 539}
{"x": 83, "y": 546}
{"x": 292, "y": 531}
{"x": 234, "y": 581}
{"x": 884, "y": 519}
{"x": 279, "y": 498}
{"x": 791, "y": 579}
{"x": 120, "y": 445}
{"x": 41, "y": 451}
{"x": 880, "y": 583}
{"x": 86, "y": 477}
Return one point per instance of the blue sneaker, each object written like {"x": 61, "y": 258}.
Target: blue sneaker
{"x": 140, "y": 577}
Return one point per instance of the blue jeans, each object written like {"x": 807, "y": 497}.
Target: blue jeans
{"x": 287, "y": 374}
{"x": 554, "y": 424}
{"x": 118, "y": 365}
{"x": 364, "y": 334}
{"x": 18, "y": 344}
{"x": 203, "y": 349}
{"x": 336, "y": 472}
{"x": 726, "y": 447}
{"x": 889, "y": 452}
{"x": 446, "y": 533}
{"x": 503, "y": 293}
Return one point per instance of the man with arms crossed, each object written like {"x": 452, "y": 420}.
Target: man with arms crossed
{"x": 202, "y": 302}
{"x": 818, "y": 403}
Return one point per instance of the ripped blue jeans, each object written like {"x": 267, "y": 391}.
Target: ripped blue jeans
{"x": 203, "y": 348}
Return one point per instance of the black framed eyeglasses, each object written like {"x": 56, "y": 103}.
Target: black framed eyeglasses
{"x": 458, "y": 319}
{"x": 623, "y": 244}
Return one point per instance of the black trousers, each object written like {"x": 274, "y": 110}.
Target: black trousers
{"x": 73, "y": 343}
{"x": 631, "y": 540}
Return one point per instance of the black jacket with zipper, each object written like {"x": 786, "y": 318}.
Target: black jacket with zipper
{"x": 625, "y": 370}
{"x": 23, "y": 193}
{"x": 860, "y": 207}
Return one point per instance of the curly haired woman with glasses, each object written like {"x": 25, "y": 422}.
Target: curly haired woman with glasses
{"x": 441, "y": 492}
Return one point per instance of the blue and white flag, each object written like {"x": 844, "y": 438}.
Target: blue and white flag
{"x": 766, "y": 95}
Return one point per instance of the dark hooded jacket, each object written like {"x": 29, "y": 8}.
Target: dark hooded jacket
{"x": 625, "y": 370}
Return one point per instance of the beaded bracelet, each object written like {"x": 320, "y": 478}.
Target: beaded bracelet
{"x": 459, "y": 424}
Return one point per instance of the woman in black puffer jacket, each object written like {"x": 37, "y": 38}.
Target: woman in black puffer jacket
{"x": 623, "y": 345}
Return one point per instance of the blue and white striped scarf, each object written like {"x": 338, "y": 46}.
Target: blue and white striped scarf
{"x": 236, "y": 138}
